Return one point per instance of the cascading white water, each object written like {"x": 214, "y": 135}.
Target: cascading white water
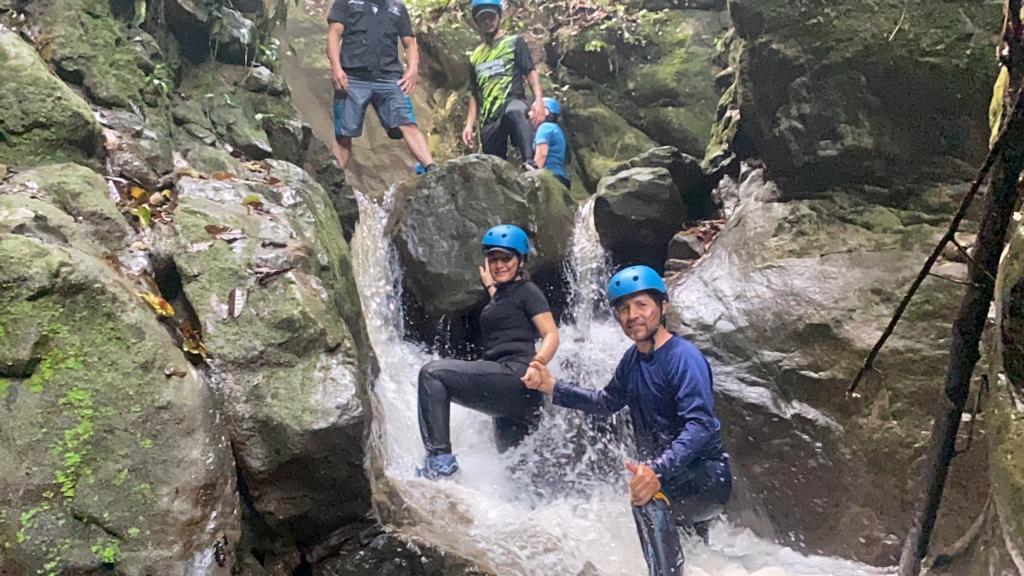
{"x": 557, "y": 504}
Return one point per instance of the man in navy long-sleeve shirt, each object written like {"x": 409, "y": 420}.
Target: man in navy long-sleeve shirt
{"x": 684, "y": 477}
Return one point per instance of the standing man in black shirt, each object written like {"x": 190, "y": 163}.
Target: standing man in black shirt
{"x": 516, "y": 316}
{"x": 362, "y": 46}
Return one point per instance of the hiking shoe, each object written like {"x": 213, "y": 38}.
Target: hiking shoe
{"x": 440, "y": 466}
{"x": 432, "y": 167}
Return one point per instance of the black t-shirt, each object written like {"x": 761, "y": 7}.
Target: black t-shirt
{"x": 369, "y": 45}
{"x": 496, "y": 73}
{"x": 507, "y": 320}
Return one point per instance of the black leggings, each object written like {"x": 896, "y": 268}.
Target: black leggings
{"x": 512, "y": 123}
{"x": 493, "y": 388}
{"x": 690, "y": 504}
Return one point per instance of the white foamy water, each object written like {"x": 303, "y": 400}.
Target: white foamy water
{"x": 557, "y": 504}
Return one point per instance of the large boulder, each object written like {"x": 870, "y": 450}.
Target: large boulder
{"x": 787, "y": 304}
{"x": 261, "y": 260}
{"x": 41, "y": 119}
{"x": 112, "y": 458}
{"x": 600, "y": 138}
{"x": 438, "y": 220}
{"x": 636, "y": 213}
{"x": 694, "y": 186}
{"x": 853, "y": 91}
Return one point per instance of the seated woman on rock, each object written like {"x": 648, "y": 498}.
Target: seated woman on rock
{"x": 516, "y": 316}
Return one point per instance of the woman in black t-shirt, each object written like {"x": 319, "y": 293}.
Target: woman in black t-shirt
{"x": 517, "y": 315}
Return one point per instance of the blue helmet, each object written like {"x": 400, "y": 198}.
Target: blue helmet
{"x": 633, "y": 279}
{"x": 552, "y": 105}
{"x": 476, "y": 5}
{"x": 508, "y": 237}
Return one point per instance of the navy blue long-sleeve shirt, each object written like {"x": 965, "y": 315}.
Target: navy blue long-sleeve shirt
{"x": 669, "y": 394}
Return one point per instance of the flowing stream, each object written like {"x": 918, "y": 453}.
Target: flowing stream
{"x": 557, "y": 504}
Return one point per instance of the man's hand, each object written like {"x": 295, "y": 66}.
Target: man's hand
{"x": 340, "y": 80}
{"x": 644, "y": 484}
{"x": 408, "y": 82}
{"x": 467, "y": 135}
{"x": 538, "y": 377}
{"x": 538, "y": 112}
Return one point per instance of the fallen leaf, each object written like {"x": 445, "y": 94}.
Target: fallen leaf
{"x": 255, "y": 166}
{"x": 236, "y": 302}
{"x": 159, "y": 305}
{"x": 157, "y": 199}
{"x": 272, "y": 181}
{"x": 225, "y": 233}
{"x": 137, "y": 192}
{"x": 186, "y": 172}
{"x": 190, "y": 340}
{"x": 198, "y": 247}
{"x": 222, "y": 176}
{"x": 264, "y": 274}
{"x": 137, "y": 245}
{"x": 172, "y": 371}
{"x": 252, "y": 199}
{"x": 145, "y": 216}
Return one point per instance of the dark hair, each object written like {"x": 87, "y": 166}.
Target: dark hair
{"x": 553, "y": 117}
{"x": 658, "y": 297}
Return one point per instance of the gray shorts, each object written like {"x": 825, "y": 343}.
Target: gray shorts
{"x": 389, "y": 102}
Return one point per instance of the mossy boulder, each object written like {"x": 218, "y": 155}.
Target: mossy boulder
{"x": 41, "y": 119}
{"x": 865, "y": 91}
{"x": 787, "y": 304}
{"x": 438, "y": 220}
{"x": 90, "y": 48}
{"x": 600, "y": 138}
{"x": 281, "y": 320}
{"x": 112, "y": 457}
{"x": 81, "y": 194}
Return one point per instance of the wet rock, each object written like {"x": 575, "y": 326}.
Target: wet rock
{"x": 636, "y": 213}
{"x": 787, "y": 306}
{"x": 79, "y": 193}
{"x": 41, "y": 118}
{"x": 853, "y": 107}
{"x": 202, "y": 28}
{"x": 261, "y": 79}
{"x": 289, "y": 139}
{"x": 693, "y": 184}
{"x": 320, "y": 162}
{"x": 139, "y": 150}
{"x": 685, "y": 246}
{"x": 600, "y": 138}
{"x": 390, "y": 554}
{"x": 234, "y": 38}
{"x": 674, "y": 265}
{"x": 107, "y": 461}
{"x": 280, "y": 317}
{"x": 438, "y": 220}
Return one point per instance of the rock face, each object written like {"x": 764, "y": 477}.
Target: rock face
{"x": 438, "y": 220}
{"x": 42, "y": 119}
{"x": 272, "y": 287}
{"x": 787, "y": 303}
{"x": 112, "y": 455}
{"x": 854, "y": 92}
{"x": 636, "y": 213}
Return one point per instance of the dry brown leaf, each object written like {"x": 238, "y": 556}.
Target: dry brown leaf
{"x": 225, "y": 233}
{"x": 222, "y": 176}
{"x": 272, "y": 181}
{"x": 191, "y": 341}
{"x": 198, "y": 247}
{"x": 236, "y": 302}
{"x": 159, "y": 305}
{"x": 172, "y": 371}
{"x": 264, "y": 274}
{"x": 137, "y": 192}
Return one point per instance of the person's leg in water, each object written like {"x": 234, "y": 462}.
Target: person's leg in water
{"x": 490, "y": 387}
{"x": 518, "y": 128}
{"x": 689, "y": 504}
{"x": 394, "y": 110}
{"x": 349, "y": 110}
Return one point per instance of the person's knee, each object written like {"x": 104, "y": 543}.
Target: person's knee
{"x": 430, "y": 374}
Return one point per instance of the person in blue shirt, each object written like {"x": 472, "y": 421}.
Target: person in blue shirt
{"x": 683, "y": 476}
{"x": 549, "y": 145}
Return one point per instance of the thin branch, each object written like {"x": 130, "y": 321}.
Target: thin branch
{"x": 900, "y": 23}
{"x": 948, "y": 279}
{"x": 967, "y": 255}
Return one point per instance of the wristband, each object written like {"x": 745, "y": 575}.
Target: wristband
{"x": 539, "y": 359}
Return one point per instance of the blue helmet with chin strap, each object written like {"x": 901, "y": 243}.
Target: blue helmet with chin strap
{"x": 508, "y": 237}
{"x": 633, "y": 279}
{"x": 552, "y": 105}
{"x": 478, "y": 5}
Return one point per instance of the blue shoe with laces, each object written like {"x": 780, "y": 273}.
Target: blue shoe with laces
{"x": 439, "y": 466}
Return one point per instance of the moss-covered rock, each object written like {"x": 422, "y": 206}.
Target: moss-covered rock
{"x": 41, "y": 119}
{"x": 89, "y": 47}
{"x": 845, "y": 92}
{"x": 111, "y": 456}
{"x": 282, "y": 323}
{"x": 600, "y": 138}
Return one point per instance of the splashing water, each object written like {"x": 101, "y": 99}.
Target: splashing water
{"x": 557, "y": 503}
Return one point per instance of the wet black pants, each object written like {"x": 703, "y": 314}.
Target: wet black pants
{"x": 688, "y": 504}
{"x": 493, "y": 388}
{"x": 513, "y": 123}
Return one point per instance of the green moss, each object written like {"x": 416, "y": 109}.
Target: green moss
{"x": 107, "y": 551}
{"x": 4, "y": 385}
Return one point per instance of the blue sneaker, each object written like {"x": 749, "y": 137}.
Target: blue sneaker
{"x": 440, "y": 466}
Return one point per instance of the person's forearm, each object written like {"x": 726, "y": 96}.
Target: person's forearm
{"x": 412, "y": 58}
{"x": 548, "y": 348}
{"x": 471, "y": 115}
{"x": 334, "y": 50}
{"x": 534, "y": 79}
{"x": 540, "y": 157}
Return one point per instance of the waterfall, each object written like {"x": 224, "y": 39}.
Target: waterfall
{"x": 557, "y": 504}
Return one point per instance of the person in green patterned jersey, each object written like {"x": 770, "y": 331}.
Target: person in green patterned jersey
{"x": 497, "y": 98}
